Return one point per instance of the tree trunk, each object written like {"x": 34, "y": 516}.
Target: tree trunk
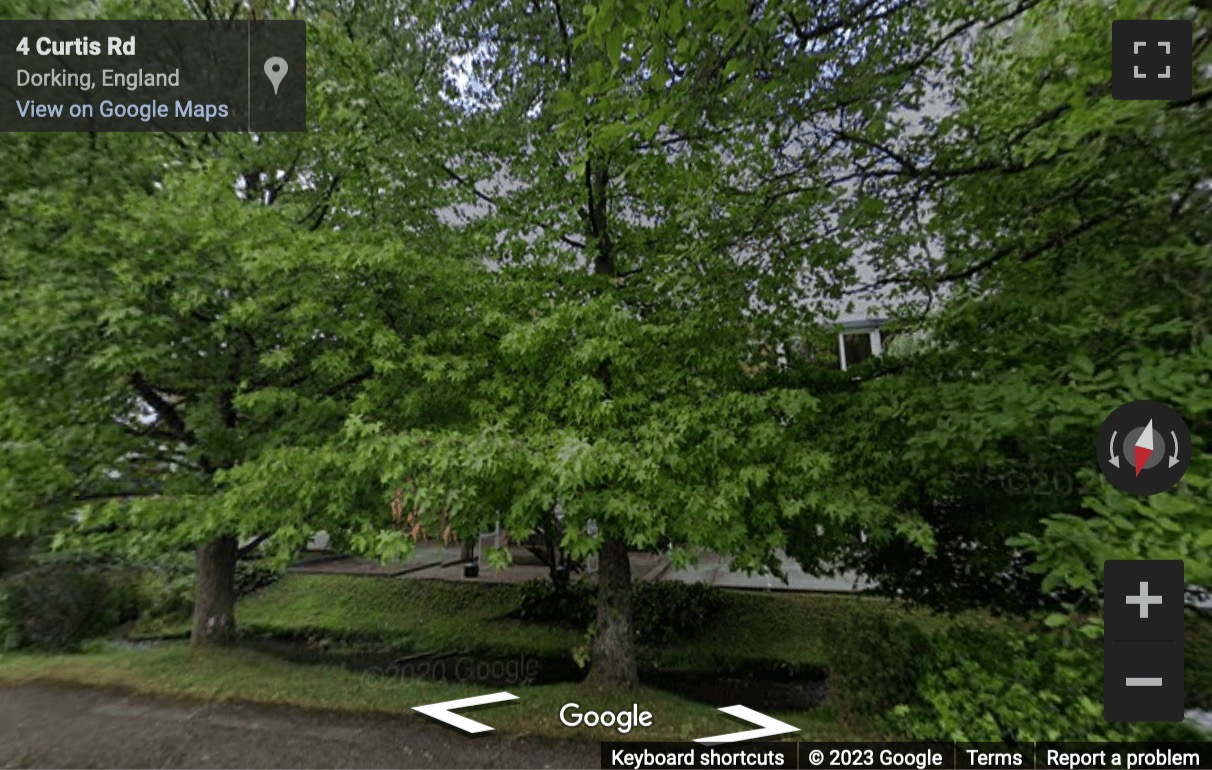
{"x": 614, "y": 661}
{"x": 215, "y": 593}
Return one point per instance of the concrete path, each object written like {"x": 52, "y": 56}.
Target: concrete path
{"x": 436, "y": 562}
{"x": 713, "y": 568}
{"x": 44, "y": 726}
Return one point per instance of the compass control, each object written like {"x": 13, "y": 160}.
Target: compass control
{"x": 1144, "y": 448}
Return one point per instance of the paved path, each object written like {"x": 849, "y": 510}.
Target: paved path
{"x": 435, "y": 562}
{"x": 713, "y": 568}
{"x": 46, "y": 726}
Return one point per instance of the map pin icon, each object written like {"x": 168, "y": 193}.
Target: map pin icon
{"x": 275, "y": 70}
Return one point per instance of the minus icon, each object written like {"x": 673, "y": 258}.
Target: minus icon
{"x": 1143, "y": 681}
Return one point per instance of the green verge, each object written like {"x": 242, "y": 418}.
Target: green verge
{"x": 792, "y": 628}
{"x": 420, "y": 615}
{"x": 219, "y": 675}
{"x": 423, "y": 615}
{"x": 410, "y": 615}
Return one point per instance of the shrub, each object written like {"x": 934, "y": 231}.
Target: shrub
{"x": 67, "y": 599}
{"x": 164, "y": 593}
{"x": 874, "y": 665}
{"x": 668, "y": 612}
{"x": 166, "y": 586}
{"x": 542, "y": 602}
{"x": 983, "y": 683}
{"x": 56, "y": 607}
{"x": 665, "y": 612}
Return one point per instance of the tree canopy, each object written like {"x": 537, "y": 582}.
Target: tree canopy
{"x": 534, "y": 260}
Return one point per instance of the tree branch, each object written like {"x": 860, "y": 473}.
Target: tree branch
{"x": 349, "y": 383}
{"x": 162, "y": 407}
{"x": 251, "y": 546}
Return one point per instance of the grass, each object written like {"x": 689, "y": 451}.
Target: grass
{"x": 797, "y": 629}
{"x": 420, "y": 615}
{"x": 423, "y": 615}
{"x": 175, "y": 670}
{"x": 412, "y": 615}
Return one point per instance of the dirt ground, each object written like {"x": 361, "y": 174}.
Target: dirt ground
{"x": 48, "y": 726}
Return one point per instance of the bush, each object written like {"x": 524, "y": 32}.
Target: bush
{"x": 164, "y": 594}
{"x": 166, "y": 586}
{"x": 56, "y": 607}
{"x": 542, "y": 602}
{"x": 669, "y": 612}
{"x": 67, "y": 599}
{"x": 981, "y": 683}
{"x": 665, "y": 612}
{"x": 875, "y": 664}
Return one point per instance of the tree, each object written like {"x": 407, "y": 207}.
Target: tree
{"x": 1063, "y": 242}
{"x": 184, "y": 304}
{"x": 657, "y": 198}
{"x": 192, "y": 332}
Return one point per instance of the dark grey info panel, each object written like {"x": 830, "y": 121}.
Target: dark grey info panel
{"x": 153, "y": 75}
{"x": 1143, "y": 641}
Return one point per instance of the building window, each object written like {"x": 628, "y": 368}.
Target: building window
{"x": 854, "y": 347}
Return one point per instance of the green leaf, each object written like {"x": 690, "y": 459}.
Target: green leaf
{"x": 614, "y": 44}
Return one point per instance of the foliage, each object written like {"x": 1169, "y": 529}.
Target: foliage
{"x": 57, "y": 607}
{"x": 667, "y": 613}
{"x": 14, "y": 554}
{"x": 97, "y": 593}
{"x": 542, "y": 602}
{"x": 166, "y": 586}
{"x": 658, "y": 202}
{"x": 981, "y": 683}
{"x": 875, "y": 664}
{"x": 182, "y": 304}
{"x": 1198, "y": 668}
{"x": 255, "y": 575}
{"x": 1052, "y": 244}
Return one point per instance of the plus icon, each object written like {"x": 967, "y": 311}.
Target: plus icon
{"x": 1143, "y": 673}
{"x": 1144, "y": 600}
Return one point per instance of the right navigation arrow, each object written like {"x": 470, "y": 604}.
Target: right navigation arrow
{"x": 768, "y": 726}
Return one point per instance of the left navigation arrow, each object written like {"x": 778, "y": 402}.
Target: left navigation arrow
{"x": 442, "y": 711}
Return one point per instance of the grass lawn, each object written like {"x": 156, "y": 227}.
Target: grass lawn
{"x": 419, "y": 615}
{"x": 409, "y": 615}
{"x": 175, "y": 670}
{"x": 403, "y": 616}
{"x": 425, "y": 615}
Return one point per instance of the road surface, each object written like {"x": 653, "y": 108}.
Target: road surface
{"x": 49, "y": 726}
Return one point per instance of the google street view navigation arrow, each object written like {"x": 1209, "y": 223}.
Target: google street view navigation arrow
{"x": 769, "y": 726}
{"x": 442, "y": 711}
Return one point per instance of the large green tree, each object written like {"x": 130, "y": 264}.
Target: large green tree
{"x": 1053, "y": 242}
{"x": 657, "y": 194}
{"x": 176, "y": 305}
